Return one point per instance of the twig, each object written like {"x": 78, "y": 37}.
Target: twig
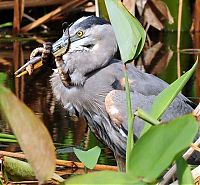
{"x": 25, "y": 182}
{"x": 70, "y": 164}
{"x": 179, "y": 36}
{"x": 98, "y": 167}
{"x": 11, "y": 154}
{"x": 47, "y": 17}
{"x": 196, "y": 173}
{"x": 97, "y": 8}
{"x": 195, "y": 147}
{"x": 179, "y": 23}
{"x": 18, "y": 13}
{"x": 32, "y": 20}
{"x": 172, "y": 170}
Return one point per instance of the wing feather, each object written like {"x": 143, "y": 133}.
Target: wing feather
{"x": 115, "y": 103}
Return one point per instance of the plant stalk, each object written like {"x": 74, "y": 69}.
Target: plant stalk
{"x": 180, "y": 9}
{"x": 130, "y": 141}
{"x": 8, "y": 140}
{"x": 7, "y": 136}
{"x": 146, "y": 117}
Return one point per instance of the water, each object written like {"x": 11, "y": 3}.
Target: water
{"x": 35, "y": 90}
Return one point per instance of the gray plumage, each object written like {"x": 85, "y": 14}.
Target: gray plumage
{"x": 96, "y": 91}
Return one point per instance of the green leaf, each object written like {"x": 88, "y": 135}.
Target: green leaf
{"x": 164, "y": 99}
{"x": 90, "y": 157}
{"x": 18, "y": 170}
{"x": 130, "y": 139}
{"x": 157, "y": 148}
{"x": 183, "y": 172}
{"x": 3, "y": 77}
{"x": 102, "y": 10}
{"x": 31, "y": 134}
{"x": 129, "y": 33}
{"x": 8, "y": 140}
{"x": 7, "y": 24}
{"x": 104, "y": 177}
{"x": 7, "y": 136}
{"x": 142, "y": 34}
{"x": 146, "y": 117}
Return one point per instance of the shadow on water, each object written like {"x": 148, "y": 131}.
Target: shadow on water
{"x": 158, "y": 58}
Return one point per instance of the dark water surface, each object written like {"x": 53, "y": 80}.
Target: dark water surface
{"x": 35, "y": 90}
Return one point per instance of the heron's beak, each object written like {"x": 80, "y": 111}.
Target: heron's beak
{"x": 59, "y": 48}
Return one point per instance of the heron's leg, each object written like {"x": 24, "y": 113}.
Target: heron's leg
{"x": 121, "y": 163}
{"x": 196, "y": 112}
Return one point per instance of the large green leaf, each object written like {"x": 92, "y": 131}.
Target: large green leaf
{"x": 31, "y": 134}
{"x": 88, "y": 158}
{"x": 104, "y": 177}
{"x": 129, "y": 33}
{"x": 157, "y": 148}
{"x": 183, "y": 172}
{"x": 164, "y": 99}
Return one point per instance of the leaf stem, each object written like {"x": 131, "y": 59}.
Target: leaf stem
{"x": 146, "y": 117}
{"x": 8, "y": 140}
{"x": 7, "y": 136}
{"x": 130, "y": 141}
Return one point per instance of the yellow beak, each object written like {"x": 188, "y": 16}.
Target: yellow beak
{"x": 35, "y": 66}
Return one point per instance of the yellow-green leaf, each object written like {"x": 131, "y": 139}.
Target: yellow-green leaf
{"x": 18, "y": 170}
{"x": 31, "y": 134}
{"x": 164, "y": 99}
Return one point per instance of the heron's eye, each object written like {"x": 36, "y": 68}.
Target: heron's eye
{"x": 79, "y": 33}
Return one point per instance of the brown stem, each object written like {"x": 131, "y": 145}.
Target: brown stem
{"x": 70, "y": 164}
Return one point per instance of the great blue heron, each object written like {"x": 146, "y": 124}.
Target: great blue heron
{"x": 90, "y": 83}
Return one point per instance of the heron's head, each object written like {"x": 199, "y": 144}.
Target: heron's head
{"x": 91, "y": 45}
{"x": 87, "y": 33}
{"x": 85, "y": 46}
